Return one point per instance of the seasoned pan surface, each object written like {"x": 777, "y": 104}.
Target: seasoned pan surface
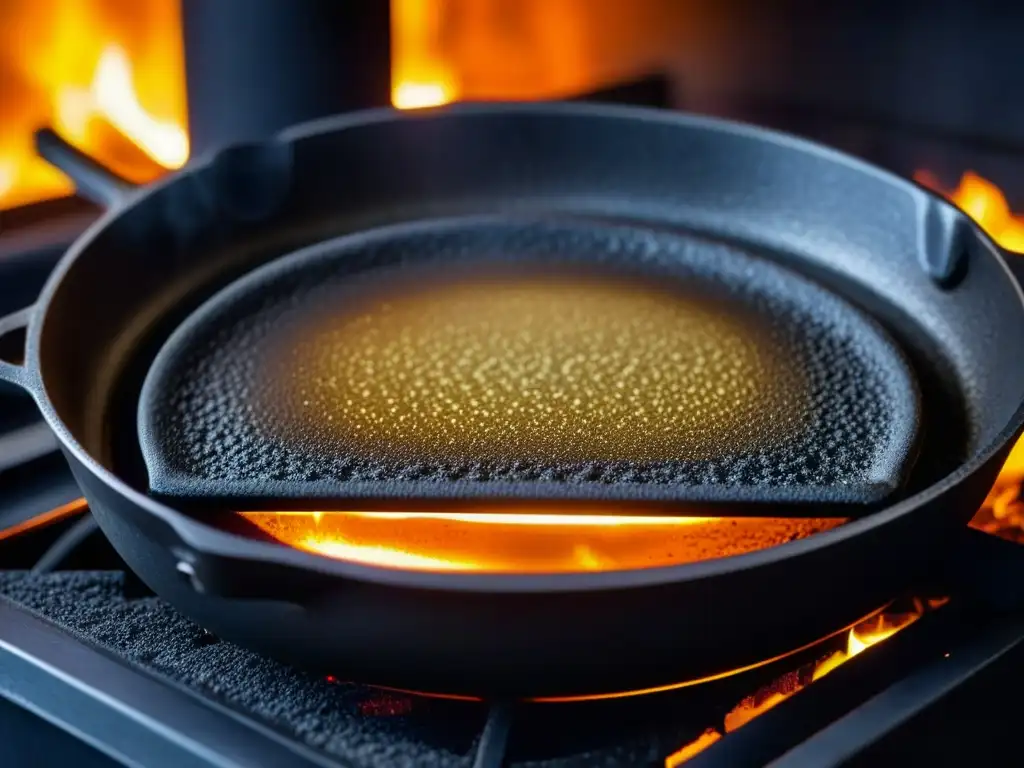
{"x": 515, "y": 356}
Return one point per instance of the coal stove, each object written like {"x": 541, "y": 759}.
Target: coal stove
{"x": 95, "y": 670}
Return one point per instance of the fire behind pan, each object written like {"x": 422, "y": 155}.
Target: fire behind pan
{"x": 528, "y": 357}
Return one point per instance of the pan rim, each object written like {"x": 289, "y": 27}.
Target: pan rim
{"x": 207, "y": 540}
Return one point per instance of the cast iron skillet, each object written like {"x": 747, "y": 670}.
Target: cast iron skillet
{"x": 917, "y": 264}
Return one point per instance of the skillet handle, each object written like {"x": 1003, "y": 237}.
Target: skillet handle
{"x": 93, "y": 180}
{"x": 11, "y": 372}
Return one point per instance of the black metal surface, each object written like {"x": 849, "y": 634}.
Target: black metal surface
{"x": 22, "y": 274}
{"x": 54, "y": 557}
{"x": 654, "y": 90}
{"x": 669, "y": 413}
{"x": 25, "y": 443}
{"x": 493, "y": 745}
{"x": 68, "y": 684}
{"x": 35, "y": 487}
{"x": 129, "y": 675}
{"x": 29, "y": 740}
{"x": 903, "y": 149}
{"x": 33, "y": 476}
{"x": 254, "y": 67}
{"x": 910, "y": 259}
{"x": 951, "y": 711}
{"x": 93, "y": 181}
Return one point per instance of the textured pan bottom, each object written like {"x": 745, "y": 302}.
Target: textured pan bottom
{"x": 503, "y": 357}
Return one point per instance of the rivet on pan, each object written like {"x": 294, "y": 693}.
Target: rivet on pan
{"x": 187, "y": 569}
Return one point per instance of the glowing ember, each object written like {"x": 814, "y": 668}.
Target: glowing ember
{"x": 1002, "y": 512}
{"x": 110, "y": 82}
{"x": 694, "y": 748}
{"x": 858, "y": 639}
{"x": 866, "y": 634}
{"x": 44, "y": 519}
{"x": 984, "y": 202}
{"x": 384, "y": 704}
{"x": 540, "y": 542}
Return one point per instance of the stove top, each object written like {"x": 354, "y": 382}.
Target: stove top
{"x": 93, "y": 653}
{"x": 87, "y": 649}
{"x": 96, "y": 670}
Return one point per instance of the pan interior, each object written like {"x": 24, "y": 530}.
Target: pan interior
{"x": 502, "y": 353}
{"x": 568, "y": 367}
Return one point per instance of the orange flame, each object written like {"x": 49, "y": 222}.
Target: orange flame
{"x": 46, "y": 518}
{"x": 107, "y": 76}
{"x": 694, "y": 748}
{"x": 112, "y": 96}
{"x": 1002, "y": 512}
{"x": 984, "y": 202}
{"x": 539, "y": 542}
{"x": 420, "y": 77}
{"x": 448, "y": 50}
{"x": 864, "y": 635}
